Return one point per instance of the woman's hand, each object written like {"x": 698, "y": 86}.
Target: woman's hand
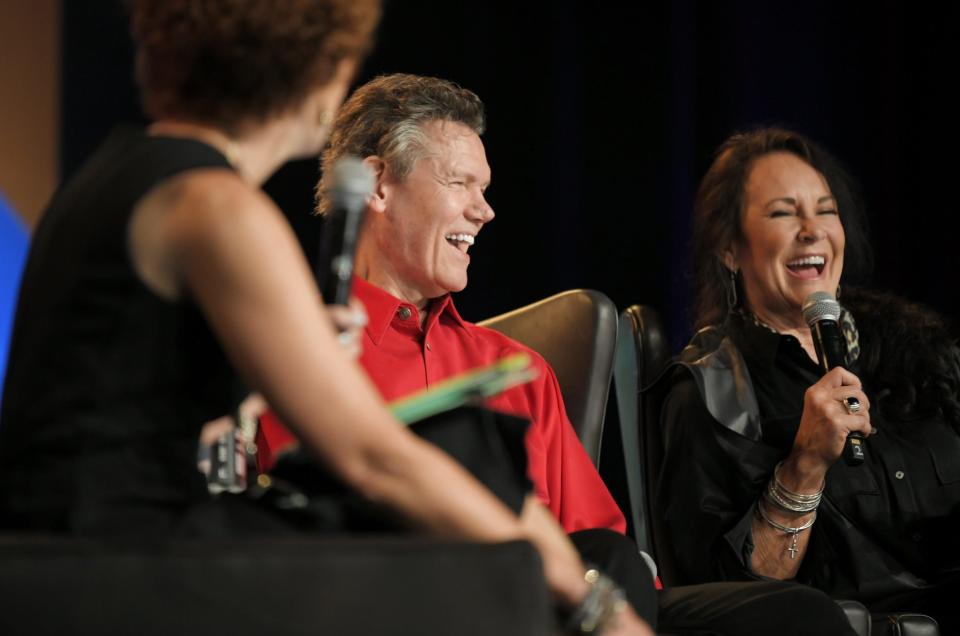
{"x": 824, "y": 427}
{"x": 349, "y": 321}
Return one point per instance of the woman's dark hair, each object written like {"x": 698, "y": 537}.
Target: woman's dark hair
{"x": 718, "y": 213}
{"x": 230, "y": 63}
{"x": 909, "y": 362}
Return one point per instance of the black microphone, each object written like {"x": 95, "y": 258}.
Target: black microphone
{"x": 351, "y": 185}
{"x": 822, "y": 312}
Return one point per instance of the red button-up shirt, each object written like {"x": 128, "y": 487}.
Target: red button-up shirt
{"x": 402, "y": 357}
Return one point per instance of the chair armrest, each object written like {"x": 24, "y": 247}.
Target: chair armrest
{"x": 906, "y": 624}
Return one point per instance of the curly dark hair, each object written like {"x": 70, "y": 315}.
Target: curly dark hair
{"x": 385, "y": 118}
{"x": 909, "y": 361}
{"x": 230, "y": 63}
{"x": 718, "y": 212}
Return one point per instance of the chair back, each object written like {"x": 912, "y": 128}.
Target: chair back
{"x": 642, "y": 354}
{"x": 576, "y": 333}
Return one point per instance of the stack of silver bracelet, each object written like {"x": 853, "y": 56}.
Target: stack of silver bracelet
{"x": 778, "y": 495}
{"x": 600, "y": 607}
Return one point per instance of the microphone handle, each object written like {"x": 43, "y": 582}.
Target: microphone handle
{"x": 337, "y": 246}
{"x": 853, "y": 450}
{"x": 831, "y": 349}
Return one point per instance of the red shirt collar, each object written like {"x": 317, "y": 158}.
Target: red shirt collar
{"x": 382, "y": 308}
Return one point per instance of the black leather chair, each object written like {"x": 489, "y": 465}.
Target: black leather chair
{"x": 642, "y": 353}
{"x": 576, "y": 333}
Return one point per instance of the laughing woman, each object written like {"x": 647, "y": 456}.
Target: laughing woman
{"x": 753, "y": 428}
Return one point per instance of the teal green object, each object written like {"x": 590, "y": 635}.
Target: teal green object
{"x": 466, "y": 388}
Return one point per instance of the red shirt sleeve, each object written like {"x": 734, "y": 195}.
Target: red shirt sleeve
{"x": 564, "y": 478}
{"x": 272, "y": 439}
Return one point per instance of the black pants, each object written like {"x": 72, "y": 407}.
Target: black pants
{"x": 722, "y": 609}
{"x": 616, "y": 556}
{"x": 747, "y": 608}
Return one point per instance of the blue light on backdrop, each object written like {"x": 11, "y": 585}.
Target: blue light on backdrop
{"x": 14, "y": 240}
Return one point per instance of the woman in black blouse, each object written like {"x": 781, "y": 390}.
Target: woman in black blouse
{"x": 753, "y": 429}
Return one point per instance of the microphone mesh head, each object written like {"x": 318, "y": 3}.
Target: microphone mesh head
{"x": 820, "y": 306}
{"x": 351, "y": 177}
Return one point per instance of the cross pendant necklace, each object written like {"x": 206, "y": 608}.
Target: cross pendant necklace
{"x": 793, "y": 549}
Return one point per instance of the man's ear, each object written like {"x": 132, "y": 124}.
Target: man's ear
{"x": 378, "y": 198}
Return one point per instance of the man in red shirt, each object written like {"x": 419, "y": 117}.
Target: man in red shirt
{"x": 421, "y": 138}
{"x": 421, "y": 222}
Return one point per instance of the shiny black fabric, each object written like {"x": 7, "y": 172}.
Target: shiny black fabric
{"x": 885, "y": 531}
{"x": 748, "y": 609}
{"x": 108, "y": 384}
{"x": 488, "y": 444}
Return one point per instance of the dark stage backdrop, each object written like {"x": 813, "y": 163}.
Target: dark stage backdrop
{"x": 603, "y": 117}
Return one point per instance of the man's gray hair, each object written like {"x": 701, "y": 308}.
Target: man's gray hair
{"x": 386, "y": 116}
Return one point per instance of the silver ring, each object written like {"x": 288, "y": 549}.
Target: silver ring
{"x": 852, "y": 405}
{"x": 346, "y": 338}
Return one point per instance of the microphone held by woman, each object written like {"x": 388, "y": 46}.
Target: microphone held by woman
{"x": 822, "y": 312}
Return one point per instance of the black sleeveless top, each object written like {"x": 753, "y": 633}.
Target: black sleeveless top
{"x": 107, "y": 384}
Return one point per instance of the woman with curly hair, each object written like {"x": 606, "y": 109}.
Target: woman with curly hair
{"x": 753, "y": 428}
{"x": 161, "y": 275}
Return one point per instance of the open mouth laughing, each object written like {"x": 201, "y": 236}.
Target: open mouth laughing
{"x": 460, "y": 241}
{"x": 807, "y": 266}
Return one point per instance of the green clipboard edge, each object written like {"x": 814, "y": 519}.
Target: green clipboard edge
{"x": 466, "y": 388}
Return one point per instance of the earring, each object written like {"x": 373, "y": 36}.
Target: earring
{"x": 325, "y": 118}
{"x": 732, "y": 291}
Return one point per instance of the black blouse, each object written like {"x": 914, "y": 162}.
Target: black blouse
{"x": 884, "y": 529}
{"x": 108, "y": 384}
